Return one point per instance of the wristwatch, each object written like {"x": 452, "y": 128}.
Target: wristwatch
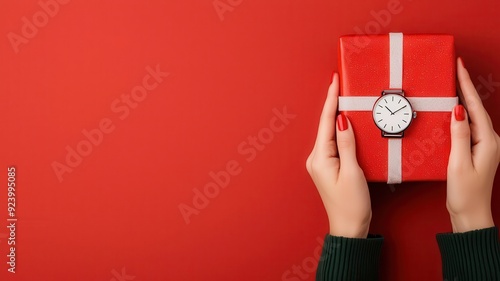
{"x": 392, "y": 113}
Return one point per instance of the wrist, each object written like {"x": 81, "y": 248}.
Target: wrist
{"x": 350, "y": 231}
{"x": 465, "y": 223}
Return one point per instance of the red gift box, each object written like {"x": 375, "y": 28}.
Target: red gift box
{"x": 423, "y": 66}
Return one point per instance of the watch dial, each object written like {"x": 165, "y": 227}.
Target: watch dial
{"x": 392, "y": 113}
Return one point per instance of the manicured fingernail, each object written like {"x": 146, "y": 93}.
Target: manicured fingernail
{"x": 342, "y": 122}
{"x": 333, "y": 77}
{"x": 459, "y": 112}
{"x": 461, "y": 61}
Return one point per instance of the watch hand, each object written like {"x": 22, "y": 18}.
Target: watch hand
{"x": 399, "y": 109}
{"x": 392, "y": 113}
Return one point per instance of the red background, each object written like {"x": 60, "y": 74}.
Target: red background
{"x": 119, "y": 209}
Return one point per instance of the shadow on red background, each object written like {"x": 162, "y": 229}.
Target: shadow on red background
{"x": 115, "y": 213}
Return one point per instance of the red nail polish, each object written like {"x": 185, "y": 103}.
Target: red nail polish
{"x": 459, "y": 112}
{"x": 342, "y": 122}
{"x": 333, "y": 76}
{"x": 461, "y": 61}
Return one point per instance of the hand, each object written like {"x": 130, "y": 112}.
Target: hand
{"x": 334, "y": 169}
{"x": 471, "y": 170}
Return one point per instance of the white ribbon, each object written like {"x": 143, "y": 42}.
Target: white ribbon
{"x": 396, "y": 60}
{"x": 394, "y": 169}
{"x": 353, "y": 103}
{"x": 394, "y": 155}
{"x": 365, "y": 103}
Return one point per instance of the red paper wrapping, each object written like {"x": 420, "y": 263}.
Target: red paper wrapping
{"x": 428, "y": 71}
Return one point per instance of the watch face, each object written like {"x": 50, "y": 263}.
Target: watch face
{"x": 392, "y": 113}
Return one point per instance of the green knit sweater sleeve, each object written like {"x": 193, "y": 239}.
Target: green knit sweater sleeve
{"x": 350, "y": 258}
{"x": 473, "y": 255}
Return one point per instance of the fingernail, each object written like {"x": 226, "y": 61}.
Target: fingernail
{"x": 459, "y": 112}
{"x": 342, "y": 122}
{"x": 461, "y": 61}
{"x": 333, "y": 76}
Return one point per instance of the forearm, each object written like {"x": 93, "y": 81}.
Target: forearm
{"x": 350, "y": 258}
{"x": 473, "y": 255}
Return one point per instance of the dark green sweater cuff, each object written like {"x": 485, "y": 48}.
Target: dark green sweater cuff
{"x": 473, "y": 255}
{"x": 350, "y": 258}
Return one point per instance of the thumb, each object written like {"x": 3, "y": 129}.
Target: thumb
{"x": 460, "y": 153}
{"x": 345, "y": 142}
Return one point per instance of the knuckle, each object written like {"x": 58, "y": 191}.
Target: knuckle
{"x": 313, "y": 164}
{"x": 495, "y": 150}
{"x": 456, "y": 167}
{"x": 353, "y": 172}
{"x": 309, "y": 164}
{"x": 460, "y": 131}
{"x": 474, "y": 102}
{"x": 313, "y": 168}
{"x": 345, "y": 143}
{"x": 491, "y": 144}
{"x": 498, "y": 148}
